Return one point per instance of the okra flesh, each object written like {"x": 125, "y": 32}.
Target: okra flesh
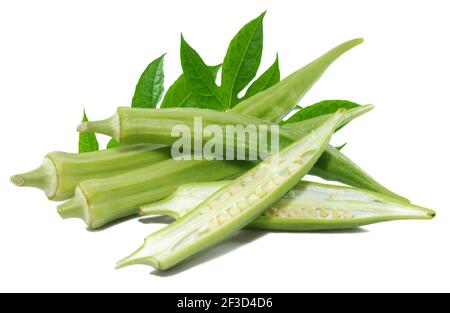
{"x": 60, "y": 172}
{"x": 308, "y": 206}
{"x": 235, "y": 205}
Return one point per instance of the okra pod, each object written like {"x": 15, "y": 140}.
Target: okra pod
{"x": 60, "y": 172}
{"x": 274, "y": 103}
{"x": 59, "y": 184}
{"x": 236, "y": 205}
{"x": 161, "y": 179}
{"x": 130, "y": 126}
{"x": 308, "y": 206}
{"x": 101, "y": 201}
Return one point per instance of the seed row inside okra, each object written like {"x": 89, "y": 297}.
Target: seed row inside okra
{"x": 308, "y": 213}
{"x": 242, "y": 202}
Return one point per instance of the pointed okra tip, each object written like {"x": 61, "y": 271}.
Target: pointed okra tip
{"x": 139, "y": 257}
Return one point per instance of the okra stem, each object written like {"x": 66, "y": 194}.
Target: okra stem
{"x": 60, "y": 172}
{"x": 44, "y": 177}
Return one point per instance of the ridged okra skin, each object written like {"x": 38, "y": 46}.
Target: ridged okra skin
{"x": 139, "y": 126}
{"x": 131, "y": 126}
{"x": 236, "y": 205}
{"x": 308, "y": 206}
{"x": 101, "y": 201}
{"x": 60, "y": 172}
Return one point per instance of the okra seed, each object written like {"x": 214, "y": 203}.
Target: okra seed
{"x": 282, "y": 213}
{"x": 246, "y": 179}
{"x": 309, "y": 213}
{"x": 278, "y": 180}
{"x": 294, "y": 167}
{"x": 260, "y": 192}
{"x": 293, "y": 212}
{"x": 233, "y": 211}
{"x": 223, "y": 218}
{"x": 348, "y": 214}
{"x": 337, "y": 214}
{"x": 253, "y": 198}
{"x": 213, "y": 224}
{"x": 242, "y": 205}
{"x": 299, "y": 213}
{"x": 226, "y": 195}
{"x": 203, "y": 230}
{"x": 324, "y": 213}
{"x": 235, "y": 189}
{"x": 270, "y": 187}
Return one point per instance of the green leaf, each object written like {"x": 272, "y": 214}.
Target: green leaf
{"x": 341, "y": 146}
{"x": 180, "y": 94}
{"x": 112, "y": 144}
{"x": 150, "y": 86}
{"x": 198, "y": 75}
{"x": 320, "y": 108}
{"x": 267, "y": 79}
{"x": 242, "y": 60}
{"x": 87, "y": 142}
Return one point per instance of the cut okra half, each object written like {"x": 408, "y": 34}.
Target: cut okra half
{"x": 236, "y": 205}
{"x": 308, "y": 206}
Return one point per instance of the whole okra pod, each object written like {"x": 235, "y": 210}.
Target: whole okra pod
{"x": 308, "y": 206}
{"x": 101, "y": 201}
{"x": 130, "y": 126}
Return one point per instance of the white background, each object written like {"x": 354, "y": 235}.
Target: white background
{"x": 57, "y": 57}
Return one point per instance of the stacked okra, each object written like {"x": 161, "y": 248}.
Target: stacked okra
{"x": 212, "y": 199}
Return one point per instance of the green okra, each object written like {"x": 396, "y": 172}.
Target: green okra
{"x": 60, "y": 172}
{"x": 235, "y": 205}
{"x": 130, "y": 126}
{"x": 270, "y": 106}
{"x": 308, "y": 206}
{"x": 284, "y": 96}
{"x": 138, "y": 126}
{"x": 101, "y": 201}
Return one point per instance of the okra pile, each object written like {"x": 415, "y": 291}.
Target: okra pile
{"x": 256, "y": 182}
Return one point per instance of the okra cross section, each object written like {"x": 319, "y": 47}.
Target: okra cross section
{"x": 235, "y": 205}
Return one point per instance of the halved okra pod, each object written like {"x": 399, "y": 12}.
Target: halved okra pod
{"x": 60, "y": 172}
{"x": 236, "y": 205}
{"x": 270, "y": 105}
{"x": 308, "y": 206}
